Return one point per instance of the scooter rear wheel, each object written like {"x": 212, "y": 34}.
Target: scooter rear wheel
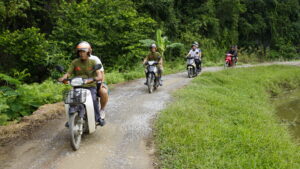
{"x": 75, "y": 131}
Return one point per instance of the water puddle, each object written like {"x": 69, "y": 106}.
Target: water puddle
{"x": 288, "y": 110}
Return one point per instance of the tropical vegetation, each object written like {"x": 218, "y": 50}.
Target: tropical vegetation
{"x": 37, "y": 35}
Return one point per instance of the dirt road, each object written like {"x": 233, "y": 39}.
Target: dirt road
{"x": 122, "y": 144}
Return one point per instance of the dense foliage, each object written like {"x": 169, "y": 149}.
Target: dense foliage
{"x": 270, "y": 25}
{"x": 35, "y": 35}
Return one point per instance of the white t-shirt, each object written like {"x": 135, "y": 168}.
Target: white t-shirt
{"x": 195, "y": 53}
{"x": 98, "y": 61}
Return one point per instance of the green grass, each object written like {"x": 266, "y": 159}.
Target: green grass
{"x": 225, "y": 120}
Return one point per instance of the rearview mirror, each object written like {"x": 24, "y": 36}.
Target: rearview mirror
{"x": 60, "y": 68}
{"x": 97, "y": 67}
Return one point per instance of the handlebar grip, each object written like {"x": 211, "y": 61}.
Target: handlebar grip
{"x": 65, "y": 81}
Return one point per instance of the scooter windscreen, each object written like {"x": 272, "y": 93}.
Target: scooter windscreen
{"x": 151, "y": 63}
{"x": 78, "y": 81}
{"x": 190, "y": 61}
{"x": 152, "y": 69}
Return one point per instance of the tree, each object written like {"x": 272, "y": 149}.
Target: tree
{"x": 112, "y": 27}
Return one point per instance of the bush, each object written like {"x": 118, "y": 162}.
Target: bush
{"x": 284, "y": 50}
{"x": 175, "y": 51}
{"x": 211, "y": 51}
{"x": 27, "y": 50}
{"x": 22, "y": 100}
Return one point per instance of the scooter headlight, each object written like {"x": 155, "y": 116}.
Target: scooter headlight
{"x": 77, "y": 82}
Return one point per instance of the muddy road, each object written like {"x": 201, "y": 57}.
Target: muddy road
{"x": 123, "y": 143}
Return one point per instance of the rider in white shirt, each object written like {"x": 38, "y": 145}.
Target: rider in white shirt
{"x": 98, "y": 61}
{"x": 102, "y": 87}
{"x": 195, "y": 52}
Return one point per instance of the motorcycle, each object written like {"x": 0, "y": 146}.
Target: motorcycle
{"x": 152, "y": 76}
{"x": 79, "y": 109}
{"x": 229, "y": 61}
{"x": 191, "y": 67}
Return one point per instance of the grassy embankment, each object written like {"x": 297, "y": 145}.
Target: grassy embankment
{"x": 226, "y": 120}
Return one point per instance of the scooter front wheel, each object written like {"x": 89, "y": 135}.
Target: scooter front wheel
{"x": 75, "y": 130}
{"x": 150, "y": 83}
{"x": 226, "y": 65}
{"x": 190, "y": 72}
{"x": 156, "y": 83}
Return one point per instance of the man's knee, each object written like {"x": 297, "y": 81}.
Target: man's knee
{"x": 103, "y": 92}
{"x": 161, "y": 70}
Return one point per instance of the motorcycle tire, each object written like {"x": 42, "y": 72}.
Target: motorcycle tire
{"x": 75, "y": 131}
{"x": 226, "y": 65}
{"x": 150, "y": 83}
{"x": 190, "y": 73}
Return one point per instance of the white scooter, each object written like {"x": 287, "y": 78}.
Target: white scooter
{"x": 79, "y": 109}
{"x": 152, "y": 76}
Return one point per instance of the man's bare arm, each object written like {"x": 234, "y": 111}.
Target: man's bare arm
{"x": 145, "y": 60}
{"x": 99, "y": 76}
{"x": 65, "y": 76}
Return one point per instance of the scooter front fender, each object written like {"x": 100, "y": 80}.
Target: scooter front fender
{"x": 90, "y": 112}
{"x": 89, "y": 106}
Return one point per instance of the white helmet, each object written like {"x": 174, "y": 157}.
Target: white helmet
{"x": 195, "y": 44}
{"x": 84, "y": 46}
{"x": 153, "y": 46}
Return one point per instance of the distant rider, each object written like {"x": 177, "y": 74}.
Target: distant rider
{"x": 83, "y": 67}
{"x": 155, "y": 56}
{"x": 233, "y": 51}
{"x": 195, "y": 52}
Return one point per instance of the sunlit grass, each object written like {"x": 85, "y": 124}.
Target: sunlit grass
{"x": 225, "y": 120}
